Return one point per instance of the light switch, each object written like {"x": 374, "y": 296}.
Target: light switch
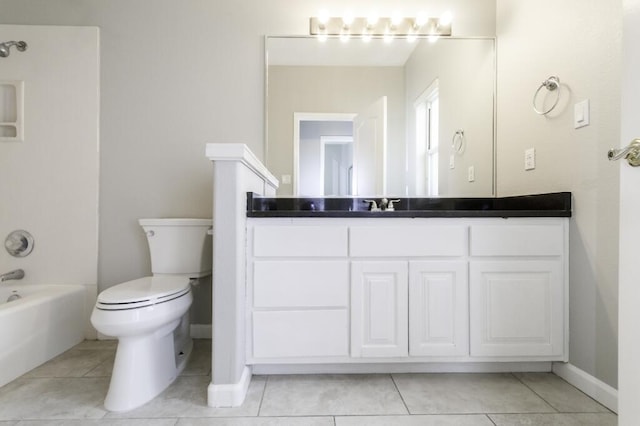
{"x": 581, "y": 114}
{"x": 452, "y": 161}
{"x": 530, "y": 159}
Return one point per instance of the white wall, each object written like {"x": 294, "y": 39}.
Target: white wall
{"x": 176, "y": 74}
{"x": 49, "y": 180}
{"x": 579, "y": 41}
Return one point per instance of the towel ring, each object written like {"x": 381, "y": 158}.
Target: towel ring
{"x": 458, "y": 142}
{"x": 551, "y": 84}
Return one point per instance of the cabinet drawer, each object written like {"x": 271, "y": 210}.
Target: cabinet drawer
{"x": 408, "y": 241}
{"x": 517, "y": 240}
{"x": 300, "y": 241}
{"x": 284, "y": 334}
{"x": 300, "y": 284}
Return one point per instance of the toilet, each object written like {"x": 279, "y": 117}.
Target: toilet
{"x": 150, "y": 316}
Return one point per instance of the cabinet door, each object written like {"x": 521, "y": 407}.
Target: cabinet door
{"x": 438, "y": 309}
{"x": 517, "y": 308}
{"x": 379, "y": 311}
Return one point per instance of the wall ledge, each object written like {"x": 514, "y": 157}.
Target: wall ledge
{"x": 241, "y": 153}
{"x": 595, "y": 388}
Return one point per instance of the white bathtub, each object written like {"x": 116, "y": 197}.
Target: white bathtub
{"x": 46, "y": 321}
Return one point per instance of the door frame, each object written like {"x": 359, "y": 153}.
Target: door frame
{"x": 310, "y": 116}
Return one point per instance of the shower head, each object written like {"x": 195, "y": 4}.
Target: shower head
{"x": 4, "y": 47}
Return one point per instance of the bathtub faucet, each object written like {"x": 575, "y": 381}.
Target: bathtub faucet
{"x": 16, "y": 274}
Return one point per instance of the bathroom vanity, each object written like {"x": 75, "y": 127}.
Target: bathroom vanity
{"x": 324, "y": 285}
{"x": 435, "y": 280}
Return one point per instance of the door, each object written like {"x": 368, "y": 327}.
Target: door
{"x": 369, "y": 149}
{"x": 629, "y": 279}
{"x": 438, "y": 309}
{"x": 516, "y": 308}
{"x": 379, "y": 309}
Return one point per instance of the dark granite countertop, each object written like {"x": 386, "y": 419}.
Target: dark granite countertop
{"x": 556, "y": 204}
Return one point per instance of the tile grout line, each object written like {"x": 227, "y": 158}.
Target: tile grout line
{"x": 490, "y": 419}
{"x": 400, "y": 394}
{"x": 535, "y": 393}
{"x": 264, "y": 390}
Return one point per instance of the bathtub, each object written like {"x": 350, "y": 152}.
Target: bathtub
{"x": 44, "y": 322}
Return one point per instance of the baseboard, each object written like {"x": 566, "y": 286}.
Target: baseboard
{"x": 595, "y": 388}
{"x": 201, "y": 331}
{"x": 424, "y": 367}
{"x": 231, "y": 395}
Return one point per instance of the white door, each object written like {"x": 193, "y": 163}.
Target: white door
{"x": 369, "y": 149}
{"x": 629, "y": 278}
{"x": 379, "y": 309}
{"x": 516, "y": 308}
{"x": 438, "y": 309}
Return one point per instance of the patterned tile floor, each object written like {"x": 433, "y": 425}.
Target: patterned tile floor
{"x": 69, "y": 390}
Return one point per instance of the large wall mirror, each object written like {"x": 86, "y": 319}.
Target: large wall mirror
{"x": 381, "y": 118}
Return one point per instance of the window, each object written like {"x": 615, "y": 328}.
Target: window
{"x": 427, "y": 124}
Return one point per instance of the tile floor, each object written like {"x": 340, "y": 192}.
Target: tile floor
{"x": 69, "y": 390}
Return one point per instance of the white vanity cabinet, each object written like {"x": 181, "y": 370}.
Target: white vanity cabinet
{"x": 354, "y": 290}
{"x": 298, "y": 291}
{"x": 518, "y": 275}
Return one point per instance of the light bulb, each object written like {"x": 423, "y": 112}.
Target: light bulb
{"x": 421, "y": 19}
{"x": 323, "y": 17}
{"x": 372, "y": 20}
{"x": 396, "y": 18}
{"x": 446, "y": 18}
{"x": 348, "y": 19}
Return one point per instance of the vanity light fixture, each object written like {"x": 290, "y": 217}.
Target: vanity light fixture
{"x": 381, "y": 27}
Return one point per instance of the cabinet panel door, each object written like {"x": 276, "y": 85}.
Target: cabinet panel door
{"x": 438, "y": 309}
{"x": 379, "y": 309}
{"x": 517, "y": 308}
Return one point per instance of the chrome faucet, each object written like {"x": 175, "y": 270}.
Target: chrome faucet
{"x": 16, "y": 274}
{"x": 385, "y": 205}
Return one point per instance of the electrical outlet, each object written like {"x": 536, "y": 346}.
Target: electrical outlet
{"x": 286, "y": 179}
{"x": 530, "y": 159}
{"x": 452, "y": 161}
{"x": 471, "y": 174}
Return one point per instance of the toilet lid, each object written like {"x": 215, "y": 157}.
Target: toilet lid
{"x": 143, "y": 292}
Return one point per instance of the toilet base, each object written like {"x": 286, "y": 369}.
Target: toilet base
{"x": 144, "y": 367}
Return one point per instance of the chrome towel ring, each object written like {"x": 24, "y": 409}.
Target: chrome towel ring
{"x": 458, "y": 142}
{"x": 551, "y": 84}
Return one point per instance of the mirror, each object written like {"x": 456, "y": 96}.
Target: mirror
{"x": 434, "y": 136}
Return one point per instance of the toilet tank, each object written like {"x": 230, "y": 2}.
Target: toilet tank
{"x": 179, "y": 246}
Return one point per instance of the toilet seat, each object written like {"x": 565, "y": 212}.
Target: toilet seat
{"x": 143, "y": 292}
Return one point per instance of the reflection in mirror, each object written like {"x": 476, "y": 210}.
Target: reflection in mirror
{"x": 434, "y": 137}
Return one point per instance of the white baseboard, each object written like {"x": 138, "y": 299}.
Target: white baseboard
{"x": 424, "y": 367}
{"x": 201, "y": 331}
{"x": 595, "y": 388}
{"x": 231, "y": 395}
